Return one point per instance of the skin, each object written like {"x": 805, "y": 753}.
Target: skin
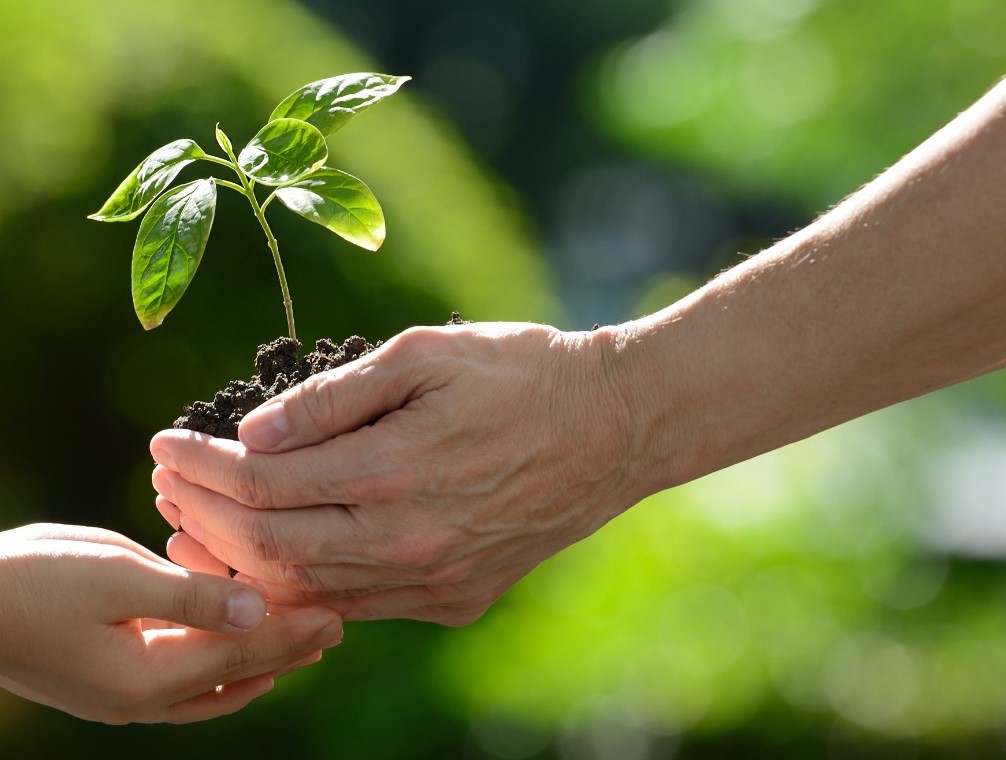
{"x": 428, "y": 477}
{"x": 99, "y": 627}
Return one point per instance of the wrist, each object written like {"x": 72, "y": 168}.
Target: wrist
{"x": 649, "y": 420}
{"x": 700, "y": 387}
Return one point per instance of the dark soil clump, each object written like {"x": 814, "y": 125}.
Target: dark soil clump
{"x": 279, "y": 368}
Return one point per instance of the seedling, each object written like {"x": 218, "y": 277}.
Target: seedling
{"x": 287, "y": 155}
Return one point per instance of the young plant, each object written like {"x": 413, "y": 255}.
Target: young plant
{"x": 287, "y": 155}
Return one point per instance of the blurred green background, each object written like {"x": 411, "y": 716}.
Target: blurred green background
{"x": 556, "y": 161}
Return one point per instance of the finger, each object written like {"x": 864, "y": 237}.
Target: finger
{"x": 168, "y": 511}
{"x": 226, "y": 698}
{"x": 192, "y": 662}
{"x": 187, "y": 552}
{"x": 326, "y": 582}
{"x": 332, "y": 581}
{"x": 310, "y": 660}
{"x": 200, "y": 458}
{"x": 65, "y": 532}
{"x": 197, "y": 547}
{"x": 371, "y": 463}
{"x": 336, "y": 401}
{"x": 220, "y": 701}
{"x": 446, "y": 604}
{"x": 453, "y": 615}
{"x": 304, "y": 554}
{"x": 193, "y": 555}
{"x": 84, "y": 534}
{"x": 200, "y": 600}
{"x": 257, "y": 541}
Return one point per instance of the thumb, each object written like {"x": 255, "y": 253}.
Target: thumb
{"x": 197, "y": 600}
{"x": 333, "y": 402}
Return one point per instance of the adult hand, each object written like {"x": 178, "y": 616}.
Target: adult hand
{"x": 96, "y": 625}
{"x": 421, "y": 481}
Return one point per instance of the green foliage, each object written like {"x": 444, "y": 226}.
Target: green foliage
{"x": 339, "y": 202}
{"x": 807, "y": 99}
{"x": 147, "y": 181}
{"x": 283, "y": 151}
{"x": 287, "y": 153}
{"x": 330, "y": 103}
{"x": 169, "y": 247}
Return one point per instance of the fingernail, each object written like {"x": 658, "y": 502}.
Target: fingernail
{"x": 163, "y": 457}
{"x": 245, "y": 609}
{"x": 264, "y": 428}
{"x": 192, "y": 527}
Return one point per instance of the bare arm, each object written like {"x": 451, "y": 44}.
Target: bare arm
{"x": 899, "y": 290}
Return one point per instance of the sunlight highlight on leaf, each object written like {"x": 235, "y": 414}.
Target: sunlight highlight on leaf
{"x": 284, "y": 150}
{"x": 147, "y": 181}
{"x": 169, "y": 247}
{"x": 339, "y": 202}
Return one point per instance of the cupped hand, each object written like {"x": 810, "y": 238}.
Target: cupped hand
{"x": 97, "y": 626}
{"x": 422, "y": 480}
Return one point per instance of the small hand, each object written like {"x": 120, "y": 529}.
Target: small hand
{"x": 98, "y": 626}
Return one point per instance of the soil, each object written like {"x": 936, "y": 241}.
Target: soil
{"x": 279, "y": 367}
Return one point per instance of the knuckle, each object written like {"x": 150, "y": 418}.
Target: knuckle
{"x": 459, "y": 617}
{"x": 240, "y": 656}
{"x": 259, "y": 537}
{"x": 390, "y": 481}
{"x": 406, "y": 553}
{"x": 300, "y": 577}
{"x": 188, "y": 602}
{"x": 469, "y": 610}
{"x": 414, "y": 348}
{"x": 355, "y": 593}
{"x": 251, "y": 486}
{"x": 412, "y": 342}
{"x": 316, "y": 400}
{"x": 452, "y": 573}
{"x": 428, "y": 552}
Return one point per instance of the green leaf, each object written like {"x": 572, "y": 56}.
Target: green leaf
{"x": 284, "y": 150}
{"x": 169, "y": 247}
{"x": 341, "y": 203}
{"x": 224, "y": 141}
{"x": 147, "y": 181}
{"x": 330, "y": 103}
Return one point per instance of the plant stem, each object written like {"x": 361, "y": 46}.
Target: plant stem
{"x": 232, "y": 186}
{"x": 274, "y": 247}
{"x": 249, "y": 192}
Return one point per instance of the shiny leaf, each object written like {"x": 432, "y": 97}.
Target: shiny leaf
{"x": 147, "y": 181}
{"x": 169, "y": 247}
{"x": 284, "y": 150}
{"x": 329, "y": 103}
{"x": 339, "y": 202}
{"x": 223, "y": 141}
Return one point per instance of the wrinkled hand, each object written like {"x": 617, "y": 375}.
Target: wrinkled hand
{"x": 420, "y": 481}
{"x": 96, "y": 625}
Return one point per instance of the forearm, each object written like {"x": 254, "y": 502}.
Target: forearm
{"x": 899, "y": 290}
